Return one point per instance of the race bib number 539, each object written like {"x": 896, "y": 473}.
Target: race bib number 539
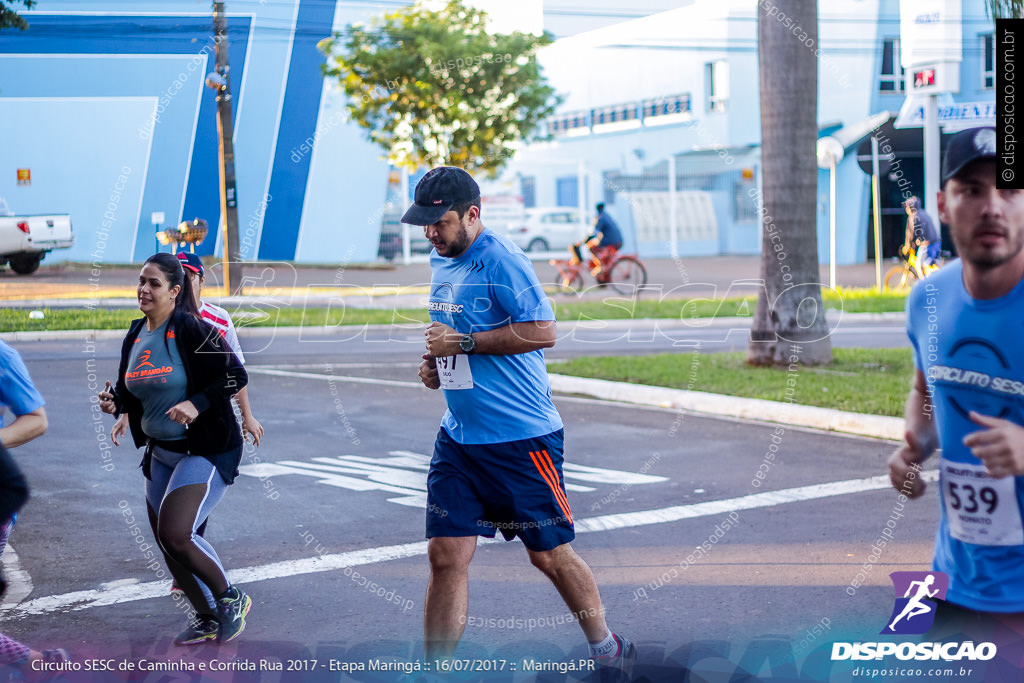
{"x": 980, "y": 509}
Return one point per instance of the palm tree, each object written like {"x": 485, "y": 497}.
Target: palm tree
{"x": 11, "y": 19}
{"x": 790, "y": 317}
{"x": 1005, "y": 9}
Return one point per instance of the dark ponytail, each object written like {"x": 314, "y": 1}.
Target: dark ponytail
{"x": 185, "y": 302}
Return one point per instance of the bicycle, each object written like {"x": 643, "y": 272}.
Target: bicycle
{"x": 624, "y": 273}
{"x": 911, "y": 270}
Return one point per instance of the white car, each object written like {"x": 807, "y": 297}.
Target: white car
{"x": 548, "y": 228}
{"x": 25, "y": 240}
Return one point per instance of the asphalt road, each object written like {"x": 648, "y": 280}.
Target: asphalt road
{"x": 325, "y": 529}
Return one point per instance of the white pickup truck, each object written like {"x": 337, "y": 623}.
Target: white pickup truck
{"x": 25, "y": 240}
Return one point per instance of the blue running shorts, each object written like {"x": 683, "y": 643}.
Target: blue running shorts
{"x": 514, "y": 487}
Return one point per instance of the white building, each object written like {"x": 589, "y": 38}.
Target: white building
{"x": 681, "y": 88}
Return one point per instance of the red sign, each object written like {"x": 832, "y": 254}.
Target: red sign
{"x": 24, "y": 176}
{"x": 924, "y": 78}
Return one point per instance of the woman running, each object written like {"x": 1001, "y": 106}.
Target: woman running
{"x": 173, "y": 391}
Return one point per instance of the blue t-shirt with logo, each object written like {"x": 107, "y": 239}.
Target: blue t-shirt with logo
{"x": 971, "y": 354}
{"x": 156, "y": 376}
{"x": 490, "y": 285}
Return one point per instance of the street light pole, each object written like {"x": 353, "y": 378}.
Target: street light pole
{"x": 225, "y": 133}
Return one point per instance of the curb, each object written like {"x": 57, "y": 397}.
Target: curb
{"x": 875, "y": 426}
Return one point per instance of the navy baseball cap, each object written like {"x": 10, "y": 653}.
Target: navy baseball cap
{"x": 190, "y": 262}
{"x": 968, "y": 146}
{"x": 437, "y": 192}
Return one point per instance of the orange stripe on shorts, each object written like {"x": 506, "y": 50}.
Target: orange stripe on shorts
{"x": 551, "y": 477}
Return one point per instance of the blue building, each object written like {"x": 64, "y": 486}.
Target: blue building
{"x": 104, "y": 102}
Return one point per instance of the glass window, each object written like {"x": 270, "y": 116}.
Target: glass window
{"x": 988, "y": 61}
{"x": 567, "y": 191}
{"x": 891, "y": 76}
{"x": 744, "y": 206}
{"x": 716, "y": 76}
{"x": 662, "y": 106}
{"x": 528, "y": 187}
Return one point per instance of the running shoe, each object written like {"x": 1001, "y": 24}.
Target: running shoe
{"x": 200, "y": 629}
{"x": 618, "y": 668}
{"x": 176, "y": 589}
{"x": 56, "y": 656}
{"x": 23, "y": 672}
{"x": 232, "y": 611}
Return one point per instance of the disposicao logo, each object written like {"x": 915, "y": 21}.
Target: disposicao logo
{"x": 914, "y": 614}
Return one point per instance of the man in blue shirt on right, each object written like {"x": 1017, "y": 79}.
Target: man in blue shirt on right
{"x": 497, "y": 462}
{"x": 965, "y": 324}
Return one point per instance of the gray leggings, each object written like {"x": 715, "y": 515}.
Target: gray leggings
{"x": 181, "y": 493}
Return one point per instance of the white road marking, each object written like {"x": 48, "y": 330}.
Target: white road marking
{"x": 328, "y": 366}
{"x": 79, "y": 600}
{"x": 335, "y": 378}
{"x": 405, "y": 473}
{"x": 19, "y": 583}
{"x": 626, "y": 520}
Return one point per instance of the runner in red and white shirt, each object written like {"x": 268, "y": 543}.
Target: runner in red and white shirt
{"x": 220, "y": 320}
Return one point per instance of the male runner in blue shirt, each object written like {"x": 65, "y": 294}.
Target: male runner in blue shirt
{"x": 965, "y": 324}
{"x": 497, "y": 462}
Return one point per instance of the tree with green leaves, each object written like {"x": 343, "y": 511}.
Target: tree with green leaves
{"x": 433, "y": 87}
{"x": 11, "y": 19}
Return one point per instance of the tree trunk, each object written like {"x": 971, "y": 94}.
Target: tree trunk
{"x": 789, "y": 320}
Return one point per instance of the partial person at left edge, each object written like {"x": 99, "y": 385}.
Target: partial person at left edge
{"x": 20, "y": 396}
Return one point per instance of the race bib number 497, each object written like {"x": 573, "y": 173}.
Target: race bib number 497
{"x": 980, "y": 509}
{"x": 454, "y": 372}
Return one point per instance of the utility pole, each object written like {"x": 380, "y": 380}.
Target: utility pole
{"x": 225, "y": 132}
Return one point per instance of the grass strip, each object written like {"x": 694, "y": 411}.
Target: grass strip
{"x": 846, "y": 299}
{"x": 872, "y": 381}
{"x": 566, "y": 309}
